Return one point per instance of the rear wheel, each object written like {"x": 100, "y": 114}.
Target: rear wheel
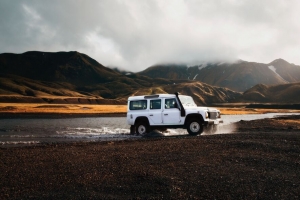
{"x": 194, "y": 127}
{"x": 142, "y": 128}
{"x": 132, "y": 129}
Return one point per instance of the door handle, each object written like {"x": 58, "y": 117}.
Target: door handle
{"x": 151, "y": 115}
{"x": 165, "y": 114}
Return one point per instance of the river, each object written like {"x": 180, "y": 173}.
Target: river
{"x": 29, "y": 131}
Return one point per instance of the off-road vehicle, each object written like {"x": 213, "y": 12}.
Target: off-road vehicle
{"x": 162, "y": 111}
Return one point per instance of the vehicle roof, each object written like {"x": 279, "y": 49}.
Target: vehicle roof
{"x": 153, "y": 96}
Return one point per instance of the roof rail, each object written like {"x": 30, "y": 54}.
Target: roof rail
{"x": 151, "y": 96}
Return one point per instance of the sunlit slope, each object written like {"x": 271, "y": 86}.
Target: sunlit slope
{"x": 202, "y": 93}
{"x": 284, "y": 93}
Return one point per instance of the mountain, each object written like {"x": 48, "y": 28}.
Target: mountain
{"x": 239, "y": 76}
{"x": 287, "y": 71}
{"x": 121, "y": 71}
{"x": 62, "y": 77}
{"x": 36, "y": 73}
{"x": 168, "y": 71}
{"x": 283, "y": 93}
{"x": 202, "y": 93}
{"x": 71, "y": 67}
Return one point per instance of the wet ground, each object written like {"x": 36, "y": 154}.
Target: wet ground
{"x": 35, "y": 130}
{"x": 261, "y": 160}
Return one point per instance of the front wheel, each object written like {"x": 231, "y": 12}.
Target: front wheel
{"x": 142, "y": 128}
{"x": 194, "y": 127}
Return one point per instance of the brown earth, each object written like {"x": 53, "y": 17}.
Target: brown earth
{"x": 261, "y": 160}
{"x": 84, "y": 109}
{"x": 67, "y": 109}
{"x": 283, "y": 93}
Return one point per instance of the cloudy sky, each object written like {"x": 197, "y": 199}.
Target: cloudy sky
{"x": 135, "y": 34}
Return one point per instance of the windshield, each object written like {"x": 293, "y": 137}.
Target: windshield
{"x": 187, "y": 100}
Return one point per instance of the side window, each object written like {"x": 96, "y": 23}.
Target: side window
{"x": 155, "y": 104}
{"x": 170, "y": 103}
{"x": 138, "y": 105}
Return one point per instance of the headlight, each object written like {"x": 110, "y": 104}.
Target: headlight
{"x": 219, "y": 114}
{"x": 206, "y": 115}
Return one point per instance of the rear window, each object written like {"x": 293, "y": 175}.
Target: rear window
{"x": 138, "y": 105}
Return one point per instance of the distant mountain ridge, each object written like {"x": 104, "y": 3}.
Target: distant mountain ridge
{"x": 239, "y": 76}
{"x": 46, "y": 77}
{"x": 283, "y": 93}
{"x": 72, "y": 67}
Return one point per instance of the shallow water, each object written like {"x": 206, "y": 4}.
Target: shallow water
{"x": 28, "y": 131}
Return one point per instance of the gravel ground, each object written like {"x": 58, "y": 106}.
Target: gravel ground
{"x": 261, "y": 160}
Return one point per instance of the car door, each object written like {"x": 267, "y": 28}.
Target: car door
{"x": 171, "y": 113}
{"x": 155, "y": 111}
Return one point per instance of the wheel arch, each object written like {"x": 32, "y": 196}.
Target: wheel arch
{"x": 142, "y": 118}
{"x": 193, "y": 116}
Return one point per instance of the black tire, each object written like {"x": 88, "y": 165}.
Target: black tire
{"x": 211, "y": 129}
{"x": 142, "y": 128}
{"x": 194, "y": 127}
{"x": 132, "y": 130}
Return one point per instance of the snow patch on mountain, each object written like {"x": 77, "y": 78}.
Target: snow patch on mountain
{"x": 195, "y": 76}
{"x": 271, "y": 67}
{"x": 202, "y": 66}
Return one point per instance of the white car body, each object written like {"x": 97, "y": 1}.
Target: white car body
{"x": 169, "y": 111}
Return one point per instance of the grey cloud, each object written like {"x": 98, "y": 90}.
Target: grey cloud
{"x": 136, "y": 34}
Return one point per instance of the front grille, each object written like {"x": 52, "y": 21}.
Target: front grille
{"x": 213, "y": 115}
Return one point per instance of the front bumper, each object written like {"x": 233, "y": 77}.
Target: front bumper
{"x": 213, "y": 122}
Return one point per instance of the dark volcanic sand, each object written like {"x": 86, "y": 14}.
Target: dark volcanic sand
{"x": 260, "y": 161}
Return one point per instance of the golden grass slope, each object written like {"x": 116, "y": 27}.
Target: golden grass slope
{"x": 14, "y": 85}
{"x": 23, "y": 108}
{"x": 34, "y": 108}
{"x": 202, "y": 93}
{"x": 284, "y": 93}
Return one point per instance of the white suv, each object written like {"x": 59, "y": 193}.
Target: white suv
{"x": 162, "y": 111}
